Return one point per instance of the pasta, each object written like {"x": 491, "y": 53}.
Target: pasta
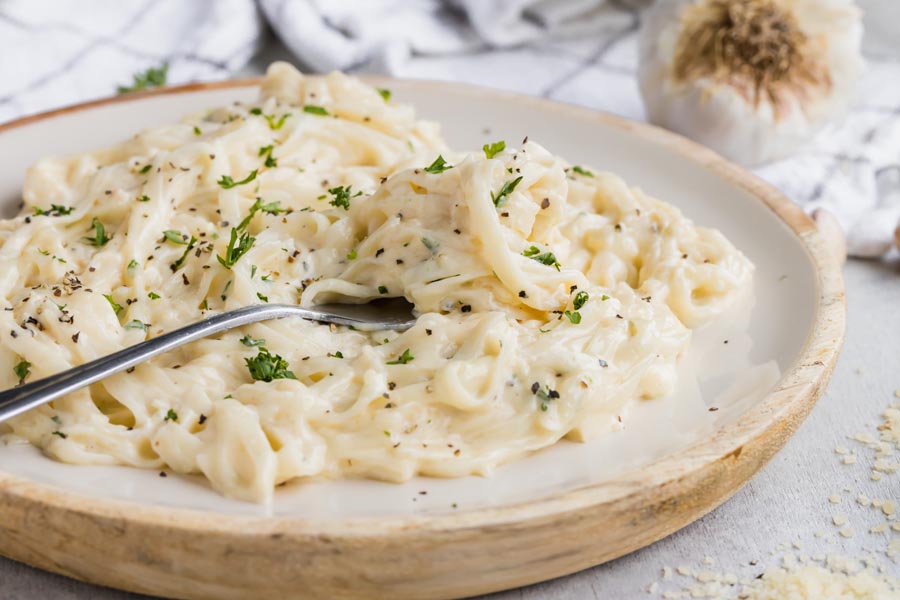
{"x": 549, "y": 297}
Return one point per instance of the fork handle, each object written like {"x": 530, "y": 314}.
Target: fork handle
{"x": 25, "y": 397}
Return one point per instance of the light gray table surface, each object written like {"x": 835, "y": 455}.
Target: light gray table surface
{"x": 786, "y": 502}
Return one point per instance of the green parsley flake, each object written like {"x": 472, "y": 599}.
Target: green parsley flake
{"x": 22, "y": 370}
{"x": 382, "y": 289}
{"x": 144, "y": 198}
{"x": 505, "y": 191}
{"x": 315, "y": 110}
{"x": 227, "y": 182}
{"x": 431, "y": 245}
{"x": 342, "y": 196}
{"x": 266, "y": 151}
{"x": 238, "y": 245}
{"x": 115, "y": 305}
{"x": 604, "y": 298}
{"x": 252, "y": 343}
{"x": 491, "y": 150}
{"x": 574, "y": 317}
{"x": 145, "y": 169}
{"x": 59, "y": 434}
{"x": 580, "y": 300}
{"x": 438, "y": 166}
{"x": 224, "y": 295}
{"x": 178, "y": 263}
{"x": 153, "y": 296}
{"x": 171, "y": 416}
{"x": 152, "y": 77}
{"x": 274, "y": 124}
{"x": 582, "y": 171}
{"x": 135, "y": 324}
{"x": 404, "y": 358}
{"x": 100, "y": 238}
{"x": 132, "y": 265}
{"x": 352, "y": 254}
{"x": 271, "y": 208}
{"x": 545, "y": 395}
{"x": 545, "y": 258}
{"x": 197, "y": 131}
{"x": 55, "y": 210}
{"x": 384, "y": 93}
{"x": 174, "y": 236}
{"x": 268, "y": 367}
{"x": 261, "y": 297}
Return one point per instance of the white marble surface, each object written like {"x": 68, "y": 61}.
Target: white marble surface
{"x": 786, "y": 502}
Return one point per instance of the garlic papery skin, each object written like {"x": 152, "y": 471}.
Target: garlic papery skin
{"x": 754, "y": 80}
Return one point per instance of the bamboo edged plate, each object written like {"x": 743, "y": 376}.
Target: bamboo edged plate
{"x": 556, "y": 512}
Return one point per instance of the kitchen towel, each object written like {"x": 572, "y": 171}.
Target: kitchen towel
{"x": 57, "y": 52}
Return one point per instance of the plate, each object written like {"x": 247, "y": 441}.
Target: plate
{"x": 556, "y": 512}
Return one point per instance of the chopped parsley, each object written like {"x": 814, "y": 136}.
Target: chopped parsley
{"x": 22, "y": 370}
{"x": 178, "y": 263}
{"x": 144, "y": 198}
{"x": 404, "y": 358}
{"x": 252, "y": 343}
{"x": 171, "y": 416}
{"x": 431, "y": 244}
{"x": 580, "y": 300}
{"x": 491, "y": 150}
{"x": 133, "y": 264}
{"x": 145, "y": 169}
{"x": 574, "y": 317}
{"x": 545, "y": 258}
{"x": 271, "y": 208}
{"x": 153, "y": 296}
{"x": 342, "y": 196}
{"x": 352, "y": 254}
{"x": 438, "y": 166}
{"x": 338, "y": 354}
{"x": 225, "y": 289}
{"x": 261, "y": 297}
{"x": 100, "y": 238}
{"x": 604, "y": 298}
{"x": 266, "y": 151}
{"x": 227, "y": 182}
{"x": 197, "y": 131}
{"x": 152, "y": 77}
{"x": 545, "y": 395}
{"x": 275, "y": 125}
{"x": 115, "y": 305}
{"x": 55, "y": 210}
{"x": 59, "y": 434}
{"x": 582, "y": 171}
{"x": 238, "y": 245}
{"x": 316, "y": 110}
{"x": 384, "y": 93}
{"x": 382, "y": 289}
{"x": 505, "y": 191}
{"x": 268, "y": 367}
{"x": 174, "y": 236}
{"x": 135, "y": 324}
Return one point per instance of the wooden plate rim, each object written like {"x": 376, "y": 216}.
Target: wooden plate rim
{"x": 796, "y": 391}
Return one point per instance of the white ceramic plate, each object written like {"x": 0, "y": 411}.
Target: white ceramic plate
{"x": 769, "y": 337}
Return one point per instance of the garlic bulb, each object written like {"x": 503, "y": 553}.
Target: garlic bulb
{"x": 752, "y": 79}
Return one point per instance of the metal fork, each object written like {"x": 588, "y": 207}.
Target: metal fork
{"x": 395, "y": 314}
